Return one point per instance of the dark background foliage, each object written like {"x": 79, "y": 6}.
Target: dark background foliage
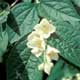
{"x": 2, "y": 65}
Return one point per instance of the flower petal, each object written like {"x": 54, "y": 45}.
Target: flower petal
{"x": 52, "y": 53}
{"x": 45, "y": 28}
{"x": 41, "y": 66}
{"x": 33, "y": 35}
{"x": 48, "y": 67}
{"x": 36, "y": 52}
{"x": 36, "y": 43}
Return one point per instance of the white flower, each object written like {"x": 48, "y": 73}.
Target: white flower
{"x": 52, "y": 53}
{"x": 36, "y": 43}
{"x": 46, "y": 66}
{"x": 45, "y": 29}
{"x": 33, "y": 35}
{"x": 37, "y": 52}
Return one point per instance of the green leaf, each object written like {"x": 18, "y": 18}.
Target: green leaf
{"x": 61, "y": 70}
{"x": 21, "y": 21}
{"x": 4, "y": 11}
{"x": 67, "y": 41}
{"x": 22, "y": 64}
{"x": 26, "y": 0}
{"x": 57, "y": 71}
{"x": 77, "y": 2}
{"x": 3, "y": 42}
{"x": 70, "y": 71}
{"x": 58, "y": 10}
{"x": 67, "y": 24}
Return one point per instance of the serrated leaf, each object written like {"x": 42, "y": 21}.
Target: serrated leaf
{"x": 58, "y": 10}
{"x": 21, "y": 21}
{"x": 3, "y": 42}
{"x": 68, "y": 41}
{"x": 22, "y": 64}
{"x": 4, "y": 11}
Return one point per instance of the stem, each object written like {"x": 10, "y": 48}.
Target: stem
{"x": 44, "y": 55}
{"x": 14, "y": 3}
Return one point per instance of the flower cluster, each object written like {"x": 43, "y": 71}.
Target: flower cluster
{"x": 37, "y": 41}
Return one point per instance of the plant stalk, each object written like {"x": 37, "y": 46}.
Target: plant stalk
{"x": 14, "y": 3}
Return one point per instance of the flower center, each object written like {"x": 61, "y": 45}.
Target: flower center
{"x": 50, "y": 54}
{"x": 45, "y": 28}
{"x": 39, "y": 43}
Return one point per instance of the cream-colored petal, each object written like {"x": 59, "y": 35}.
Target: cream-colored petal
{"x": 52, "y": 53}
{"x": 36, "y": 27}
{"x": 36, "y": 52}
{"x": 47, "y": 58}
{"x": 33, "y": 35}
{"x": 45, "y": 29}
{"x": 52, "y": 28}
{"x": 44, "y": 22}
{"x": 36, "y": 43}
{"x": 48, "y": 67}
{"x": 29, "y": 44}
{"x": 41, "y": 66}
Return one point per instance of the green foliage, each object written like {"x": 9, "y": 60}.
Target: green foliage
{"x": 4, "y": 11}
{"x": 62, "y": 69}
{"x": 77, "y": 2}
{"x": 20, "y": 20}
{"x": 22, "y": 64}
{"x": 3, "y": 42}
{"x": 67, "y": 41}
{"x": 57, "y": 71}
{"x": 58, "y": 10}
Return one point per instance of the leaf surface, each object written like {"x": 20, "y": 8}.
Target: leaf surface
{"x": 21, "y": 21}
{"x": 3, "y": 42}
{"x": 58, "y": 10}
{"x": 67, "y": 41}
{"x": 22, "y": 64}
{"x": 4, "y": 11}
